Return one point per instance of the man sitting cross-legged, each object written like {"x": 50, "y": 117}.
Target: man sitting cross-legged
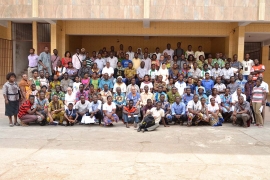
{"x": 70, "y": 115}
{"x": 55, "y": 111}
{"x": 130, "y": 113}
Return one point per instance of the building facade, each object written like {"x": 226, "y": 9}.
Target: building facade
{"x": 227, "y": 26}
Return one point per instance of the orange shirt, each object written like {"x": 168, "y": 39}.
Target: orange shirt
{"x": 256, "y": 68}
{"x": 132, "y": 110}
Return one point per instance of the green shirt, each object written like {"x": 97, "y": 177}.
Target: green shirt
{"x": 171, "y": 96}
{"x": 220, "y": 62}
{"x": 60, "y": 95}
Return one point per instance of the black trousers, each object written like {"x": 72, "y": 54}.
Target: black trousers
{"x": 99, "y": 116}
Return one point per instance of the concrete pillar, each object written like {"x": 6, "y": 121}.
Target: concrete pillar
{"x": 241, "y": 42}
{"x": 266, "y": 63}
{"x": 35, "y": 35}
{"x": 53, "y": 37}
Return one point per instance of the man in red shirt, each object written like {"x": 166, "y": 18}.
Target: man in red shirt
{"x": 257, "y": 70}
{"x": 130, "y": 113}
{"x": 28, "y": 112}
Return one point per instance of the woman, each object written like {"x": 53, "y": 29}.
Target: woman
{"x": 191, "y": 60}
{"x": 184, "y": 71}
{"x": 72, "y": 72}
{"x": 11, "y": 93}
{"x": 85, "y": 81}
{"x": 164, "y": 72}
{"x": 96, "y": 70}
{"x": 174, "y": 72}
{"x": 175, "y": 61}
{"x": 209, "y": 61}
{"x": 200, "y": 62}
{"x": 66, "y": 59}
{"x": 47, "y": 94}
{"x": 70, "y": 97}
{"x": 155, "y": 60}
{"x": 109, "y": 109}
{"x": 204, "y": 116}
{"x": 95, "y": 81}
{"x": 24, "y": 85}
{"x": 170, "y": 85}
{"x": 216, "y": 118}
{"x": 199, "y": 85}
{"x": 146, "y": 82}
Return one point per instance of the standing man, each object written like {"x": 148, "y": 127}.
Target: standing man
{"x": 179, "y": 51}
{"x": 32, "y": 62}
{"x": 112, "y": 60}
{"x": 130, "y": 53}
{"x": 44, "y": 61}
{"x": 257, "y": 70}
{"x": 169, "y": 51}
{"x": 100, "y": 62}
{"x": 77, "y": 59}
{"x": 136, "y": 61}
{"x": 54, "y": 59}
{"x": 157, "y": 53}
{"x": 147, "y": 61}
{"x": 247, "y": 65}
{"x": 199, "y": 53}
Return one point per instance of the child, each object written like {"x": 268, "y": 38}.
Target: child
{"x": 85, "y": 81}
{"x": 70, "y": 116}
{"x": 76, "y": 84}
{"x": 95, "y": 81}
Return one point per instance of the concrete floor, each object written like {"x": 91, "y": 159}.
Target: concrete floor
{"x": 93, "y": 152}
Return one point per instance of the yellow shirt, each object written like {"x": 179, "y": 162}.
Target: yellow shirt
{"x": 136, "y": 63}
{"x": 130, "y": 72}
{"x": 54, "y": 106}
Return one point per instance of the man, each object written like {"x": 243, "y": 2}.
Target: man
{"x": 130, "y": 53}
{"x": 147, "y": 61}
{"x": 147, "y": 107}
{"x": 220, "y": 86}
{"x": 41, "y": 103}
{"x": 77, "y": 59}
{"x": 141, "y": 72}
{"x": 208, "y": 84}
{"x": 236, "y": 65}
{"x": 44, "y": 61}
{"x": 24, "y": 85}
{"x": 81, "y": 92}
{"x": 89, "y": 62}
{"x": 169, "y": 51}
{"x": 237, "y": 94}
{"x": 43, "y": 80}
{"x": 216, "y": 72}
{"x": 59, "y": 70}
{"x": 199, "y": 53}
{"x": 226, "y": 73}
{"x": 32, "y": 91}
{"x": 135, "y": 96}
{"x": 241, "y": 82}
{"x": 55, "y": 111}
{"x": 205, "y": 70}
{"x": 136, "y": 61}
{"x": 119, "y": 84}
{"x": 160, "y": 83}
{"x": 94, "y": 56}
{"x": 157, "y": 53}
{"x": 82, "y": 108}
{"x": 178, "y": 109}
{"x": 106, "y": 81}
{"x": 119, "y": 71}
{"x": 187, "y": 96}
{"x": 100, "y": 62}
{"x": 146, "y": 95}
{"x": 218, "y": 60}
{"x": 233, "y": 85}
{"x": 132, "y": 84}
{"x": 165, "y": 105}
{"x": 189, "y": 52}
{"x": 72, "y": 72}
{"x": 153, "y": 72}
{"x": 113, "y": 60}
{"x": 84, "y": 69}
{"x": 158, "y": 115}
{"x": 172, "y": 95}
{"x": 28, "y": 114}
{"x": 66, "y": 82}
{"x": 195, "y": 72}
{"x": 32, "y": 62}
{"x": 179, "y": 51}
{"x": 95, "y": 109}
{"x": 119, "y": 99}
{"x": 158, "y": 93}
{"x": 257, "y": 70}
{"x": 249, "y": 87}
{"x": 105, "y": 93}
{"x": 182, "y": 61}
{"x": 70, "y": 116}
{"x": 58, "y": 93}
{"x": 55, "y": 58}
{"x": 241, "y": 112}
{"x": 215, "y": 96}
{"x": 125, "y": 62}
{"x": 194, "y": 109}
{"x": 109, "y": 70}
{"x": 130, "y": 112}
{"x": 180, "y": 84}
{"x": 247, "y": 65}
{"x": 121, "y": 50}
{"x": 130, "y": 73}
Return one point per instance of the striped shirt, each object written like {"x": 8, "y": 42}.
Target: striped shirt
{"x": 24, "y": 108}
{"x": 258, "y": 94}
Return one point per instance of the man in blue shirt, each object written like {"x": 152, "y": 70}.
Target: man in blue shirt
{"x": 208, "y": 84}
{"x": 241, "y": 82}
{"x": 160, "y": 92}
{"x": 119, "y": 98}
{"x": 178, "y": 109}
{"x": 106, "y": 81}
{"x": 95, "y": 109}
{"x": 126, "y": 61}
{"x": 165, "y": 105}
{"x": 187, "y": 96}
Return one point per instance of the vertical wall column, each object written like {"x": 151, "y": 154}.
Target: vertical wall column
{"x": 35, "y": 35}
{"x": 241, "y": 42}
{"x": 53, "y": 37}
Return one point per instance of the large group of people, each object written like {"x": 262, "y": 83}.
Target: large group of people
{"x": 147, "y": 89}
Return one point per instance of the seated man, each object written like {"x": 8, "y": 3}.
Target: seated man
{"x": 241, "y": 113}
{"x": 194, "y": 109}
{"x": 95, "y": 109}
{"x": 145, "y": 95}
{"x": 226, "y": 104}
{"x": 165, "y": 105}
{"x": 82, "y": 108}
{"x": 109, "y": 109}
{"x": 31, "y": 91}
{"x": 105, "y": 80}
{"x": 41, "y": 103}
{"x": 81, "y": 92}
{"x": 119, "y": 99}
{"x": 130, "y": 73}
{"x": 173, "y": 94}
{"x": 130, "y": 112}
{"x": 133, "y": 84}
{"x": 158, "y": 115}
{"x": 237, "y": 94}
{"x": 70, "y": 115}
{"x": 158, "y": 93}
{"x": 59, "y": 93}
{"x": 147, "y": 107}
{"x": 159, "y": 83}
{"x": 202, "y": 95}
{"x": 105, "y": 93}
{"x": 27, "y": 114}
{"x": 178, "y": 109}
{"x": 66, "y": 82}
{"x": 55, "y": 111}
{"x": 187, "y": 96}
{"x": 220, "y": 86}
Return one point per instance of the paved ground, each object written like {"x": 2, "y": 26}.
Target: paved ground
{"x": 93, "y": 152}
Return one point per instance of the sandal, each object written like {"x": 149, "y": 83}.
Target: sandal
{"x": 16, "y": 124}
{"x": 23, "y": 124}
{"x": 11, "y": 125}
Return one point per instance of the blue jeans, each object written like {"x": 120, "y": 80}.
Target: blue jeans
{"x": 128, "y": 119}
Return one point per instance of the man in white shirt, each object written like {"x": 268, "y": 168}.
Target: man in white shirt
{"x": 237, "y": 94}
{"x": 247, "y": 65}
{"x": 82, "y": 107}
{"x": 227, "y": 73}
{"x": 194, "y": 109}
{"x": 169, "y": 51}
{"x": 141, "y": 72}
{"x": 77, "y": 59}
{"x": 265, "y": 86}
{"x": 109, "y": 70}
{"x": 147, "y": 61}
{"x": 216, "y": 72}
{"x": 130, "y": 53}
{"x": 100, "y": 62}
{"x": 113, "y": 60}
{"x": 157, "y": 53}
{"x": 220, "y": 86}
{"x": 180, "y": 85}
{"x": 199, "y": 53}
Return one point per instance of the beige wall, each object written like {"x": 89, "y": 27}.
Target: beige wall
{"x": 5, "y": 32}
{"x": 218, "y": 45}
{"x": 266, "y": 63}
